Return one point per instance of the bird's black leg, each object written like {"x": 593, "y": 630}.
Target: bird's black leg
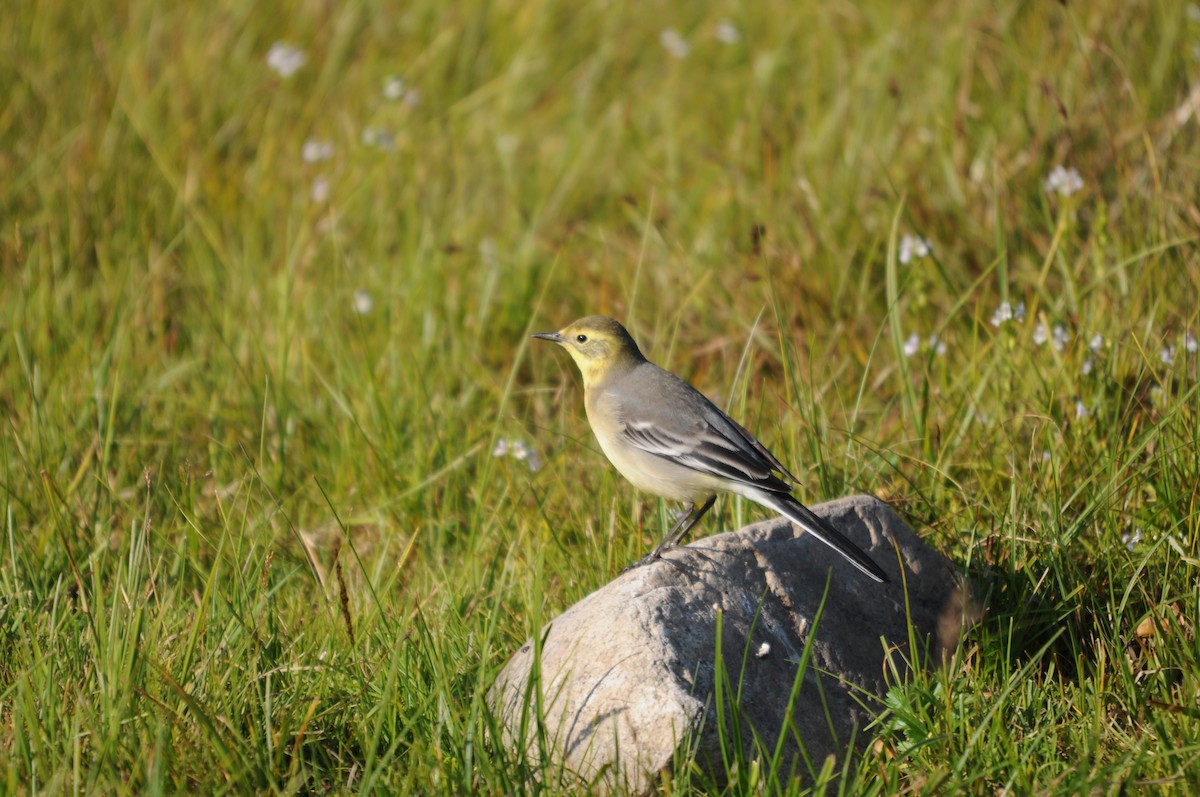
{"x": 682, "y": 527}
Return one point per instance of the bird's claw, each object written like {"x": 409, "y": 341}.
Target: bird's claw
{"x": 645, "y": 560}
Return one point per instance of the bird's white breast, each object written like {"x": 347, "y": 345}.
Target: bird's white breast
{"x": 650, "y": 472}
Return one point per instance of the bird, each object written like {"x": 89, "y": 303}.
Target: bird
{"x": 667, "y": 438}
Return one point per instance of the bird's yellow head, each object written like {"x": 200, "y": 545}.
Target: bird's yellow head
{"x": 599, "y": 345}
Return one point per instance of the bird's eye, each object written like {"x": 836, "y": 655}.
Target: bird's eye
{"x": 581, "y": 338}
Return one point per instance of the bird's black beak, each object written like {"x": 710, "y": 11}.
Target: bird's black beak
{"x": 553, "y": 337}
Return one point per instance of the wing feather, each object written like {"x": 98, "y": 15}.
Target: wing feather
{"x": 707, "y": 450}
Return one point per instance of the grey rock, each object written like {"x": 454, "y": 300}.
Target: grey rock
{"x": 628, "y": 673}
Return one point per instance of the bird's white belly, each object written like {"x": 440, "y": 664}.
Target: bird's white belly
{"x": 659, "y": 475}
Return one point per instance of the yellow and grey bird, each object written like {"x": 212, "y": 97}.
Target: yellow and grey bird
{"x": 666, "y": 438}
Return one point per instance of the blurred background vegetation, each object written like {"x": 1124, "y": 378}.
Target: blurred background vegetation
{"x": 269, "y": 271}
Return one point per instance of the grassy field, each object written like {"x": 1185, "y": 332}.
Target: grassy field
{"x": 283, "y": 482}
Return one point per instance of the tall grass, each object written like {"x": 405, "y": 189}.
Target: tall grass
{"x": 254, "y": 534}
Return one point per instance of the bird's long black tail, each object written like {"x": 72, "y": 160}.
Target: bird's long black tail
{"x": 798, "y": 513}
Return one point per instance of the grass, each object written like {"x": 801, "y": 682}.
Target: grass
{"x": 255, "y": 540}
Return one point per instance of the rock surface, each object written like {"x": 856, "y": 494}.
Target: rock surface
{"x": 628, "y": 673}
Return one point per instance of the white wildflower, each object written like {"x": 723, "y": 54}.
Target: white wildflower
{"x": 1097, "y": 342}
{"x": 674, "y": 43}
{"x": 1189, "y": 342}
{"x": 1088, "y": 365}
{"x": 285, "y": 59}
{"x": 362, "y": 302}
{"x": 1060, "y": 337}
{"x": 378, "y": 137}
{"x": 1131, "y": 539}
{"x": 394, "y": 87}
{"x": 527, "y": 455}
{"x": 912, "y": 247}
{"x": 1081, "y": 410}
{"x": 912, "y": 345}
{"x": 727, "y": 32}
{"x": 1167, "y": 354}
{"x": 1063, "y": 182}
{"x": 937, "y": 345}
{"x": 315, "y": 151}
{"x": 320, "y": 190}
{"x": 1006, "y": 312}
{"x": 517, "y": 449}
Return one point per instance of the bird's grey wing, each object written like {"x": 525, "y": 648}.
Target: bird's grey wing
{"x": 732, "y": 429}
{"x": 702, "y": 438}
{"x": 664, "y": 415}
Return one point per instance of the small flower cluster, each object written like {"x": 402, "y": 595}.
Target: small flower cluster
{"x": 1063, "y": 182}
{"x": 912, "y": 345}
{"x": 285, "y": 60}
{"x": 678, "y": 47}
{"x": 320, "y": 189}
{"x": 912, "y": 247}
{"x": 363, "y": 302}
{"x": 396, "y": 89}
{"x": 1094, "y": 346}
{"x": 517, "y": 450}
{"x": 1131, "y": 539}
{"x": 378, "y": 138}
{"x": 674, "y": 43}
{"x": 1007, "y": 312}
{"x": 1167, "y": 352}
{"x": 315, "y": 151}
{"x": 727, "y": 33}
{"x": 1058, "y": 336}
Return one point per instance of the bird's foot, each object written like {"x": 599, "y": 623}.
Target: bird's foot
{"x": 653, "y": 556}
